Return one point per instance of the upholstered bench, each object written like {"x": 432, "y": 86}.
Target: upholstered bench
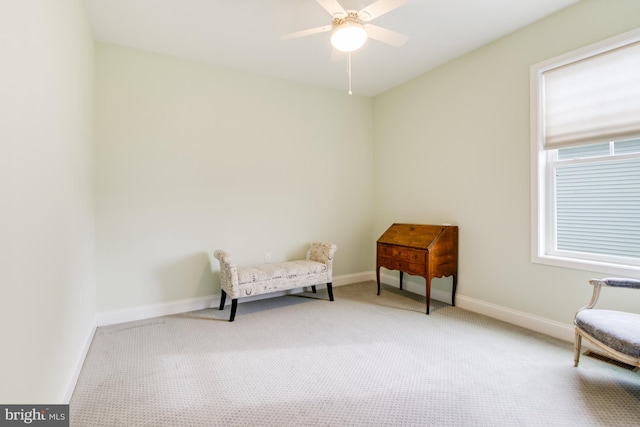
{"x": 243, "y": 281}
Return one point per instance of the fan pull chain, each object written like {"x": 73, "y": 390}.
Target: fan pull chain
{"x": 350, "y": 73}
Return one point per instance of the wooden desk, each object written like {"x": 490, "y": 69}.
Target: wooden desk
{"x": 422, "y": 250}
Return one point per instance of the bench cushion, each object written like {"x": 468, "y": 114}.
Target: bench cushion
{"x": 280, "y": 276}
{"x": 618, "y": 330}
{"x": 279, "y": 270}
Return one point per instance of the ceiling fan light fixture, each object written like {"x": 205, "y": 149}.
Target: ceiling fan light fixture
{"x": 349, "y": 36}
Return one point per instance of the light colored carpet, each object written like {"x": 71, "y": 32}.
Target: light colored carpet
{"x": 362, "y": 360}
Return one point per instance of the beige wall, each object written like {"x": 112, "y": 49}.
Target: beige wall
{"x": 47, "y": 274}
{"x": 192, "y": 157}
{"x": 453, "y": 146}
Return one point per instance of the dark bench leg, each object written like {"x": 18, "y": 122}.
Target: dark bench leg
{"x": 223, "y": 298}
{"x": 234, "y": 306}
{"x": 330, "y": 291}
{"x": 313, "y": 289}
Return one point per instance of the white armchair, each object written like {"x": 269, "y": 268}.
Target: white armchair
{"x": 615, "y": 333}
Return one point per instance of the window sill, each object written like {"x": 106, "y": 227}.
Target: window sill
{"x": 611, "y": 269}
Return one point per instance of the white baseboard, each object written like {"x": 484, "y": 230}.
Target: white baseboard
{"x": 66, "y": 398}
{"x": 348, "y": 279}
{"x": 114, "y": 317}
{"x": 535, "y": 323}
{"x": 525, "y": 320}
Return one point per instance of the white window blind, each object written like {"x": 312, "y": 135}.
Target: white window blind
{"x": 596, "y": 99}
{"x": 598, "y": 208}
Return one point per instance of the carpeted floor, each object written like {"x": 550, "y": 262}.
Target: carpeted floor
{"x": 362, "y": 360}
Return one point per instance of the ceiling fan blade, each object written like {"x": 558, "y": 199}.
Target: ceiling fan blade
{"x": 332, "y": 6}
{"x": 381, "y": 7}
{"x": 308, "y": 32}
{"x": 386, "y": 36}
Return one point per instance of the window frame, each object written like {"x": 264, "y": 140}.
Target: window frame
{"x": 543, "y": 164}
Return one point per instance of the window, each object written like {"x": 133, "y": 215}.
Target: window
{"x": 585, "y": 158}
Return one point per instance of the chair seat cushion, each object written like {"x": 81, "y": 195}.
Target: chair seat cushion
{"x": 616, "y": 329}
{"x": 279, "y": 270}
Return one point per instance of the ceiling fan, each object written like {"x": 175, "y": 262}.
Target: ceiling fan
{"x": 351, "y": 28}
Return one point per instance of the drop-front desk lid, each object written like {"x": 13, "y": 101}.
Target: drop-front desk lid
{"x": 413, "y": 235}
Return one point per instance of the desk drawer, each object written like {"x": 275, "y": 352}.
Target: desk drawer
{"x": 400, "y": 253}
{"x": 410, "y": 268}
{"x": 400, "y": 265}
{"x": 387, "y": 262}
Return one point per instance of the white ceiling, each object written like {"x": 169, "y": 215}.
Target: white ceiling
{"x": 245, "y": 35}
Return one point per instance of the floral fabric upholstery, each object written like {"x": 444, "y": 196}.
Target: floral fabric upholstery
{"x": 259, "y": 279}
